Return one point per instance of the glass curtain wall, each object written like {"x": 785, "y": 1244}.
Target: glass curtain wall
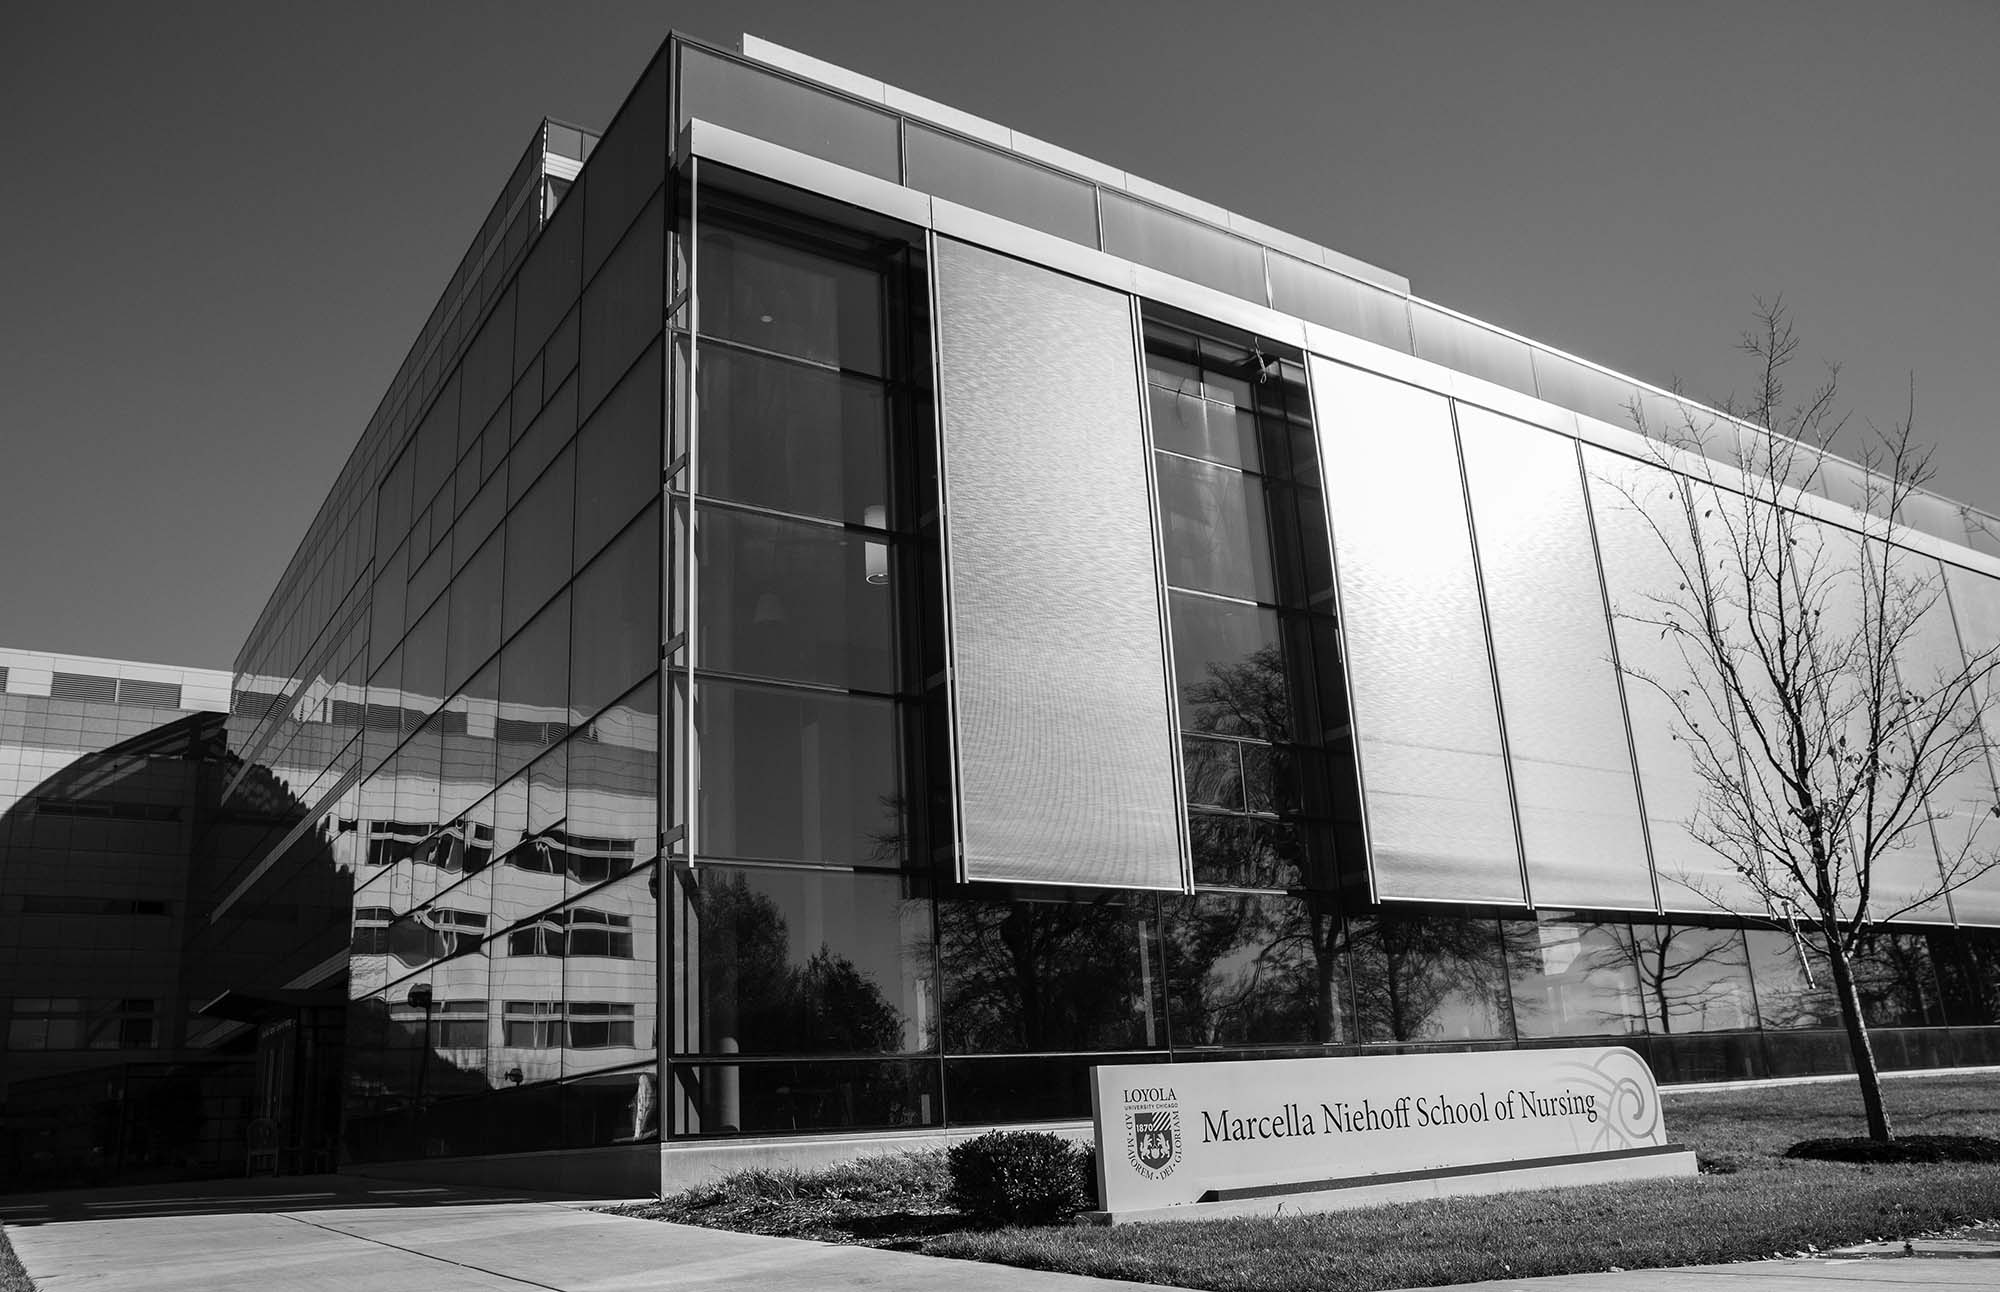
{"x": 503, "y": 965}
{"x": 1258, "y": 956}
{"x": 803, "y": 969}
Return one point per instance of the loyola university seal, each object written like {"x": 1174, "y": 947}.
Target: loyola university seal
{"x": 1153, "y": 1131}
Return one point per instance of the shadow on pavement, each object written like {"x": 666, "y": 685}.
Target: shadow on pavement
{"x": 238, "y": 1197}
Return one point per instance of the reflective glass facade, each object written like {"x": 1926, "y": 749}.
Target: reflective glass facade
{"x": 854, "y": 616}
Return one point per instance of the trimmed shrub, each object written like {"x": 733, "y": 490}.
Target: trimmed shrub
{"x": 1906, "y": 1148}
{"x": 1016, "y": 1178}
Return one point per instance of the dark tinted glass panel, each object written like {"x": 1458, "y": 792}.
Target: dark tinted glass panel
{"x": 418, "y": 767}
{"x": 559, "y": 357}
{"x": 1572, "y": 979}
{"x": 786, "y": 961}
{"x": 384, "y": 725}
{"x": 627, "y": 165}
{"x": 1042, "y": 1088}
{"x": 798, "y": 776}
{"x": 622, "y": 306}
{"x": 746, "y": 1098}
{"x": 487, "y": 371}
{"x": 1182, "y": 247}
{"x": 991, "y": 181}
{"x": 1184, "y": 422}
{"x": 795, "y": 601}
{"x": 1892, "y": 974}
{"x": 1246, "y": 852}
{"x": 1028, "y": 976}
{"x": 1229, "y": 664}
{"x": 469, "y": 750}
{"x": 614, "y": 787}
{"x": 1213, "y": 771}
{"x": 1967, "y": 962}
{"x": 392, "y": 503}
{"x": 1336, "y": 301}
{"x": 423, "y": 661}
{"x": 609, "y": 975}
{"x": 475, "y": 615}
{"x": 549, "y": 281}
{"x": 1430, "y": 978}
{"x": 793, "y": 438}
{"x": 1691, "y": 979}
{"x": 787, "y": 113}
{"x": 480, "y": 518}
{"x": 1253, "y": 969}
{"x": 534, "y": 683}
{"x": 1217, "y": 536}
{"x": 610, "y": 1108}
{"x": 1794, "y": 983}
{"x": 790, "y": 301}
{"x": 618, "y": 457}
{"x": 617, "y": 637}
{"x": 437, "y": 443}
{"x": 428, "y": 576}
{"x": 386, "y": 614}
{"x": 541, "y": 439}
{"x": 538, "y": 542}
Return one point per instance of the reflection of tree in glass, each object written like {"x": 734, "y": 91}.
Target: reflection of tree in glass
{"x": 1684, "y": 972}
{"x": 1411, "y": 974}
{"x": 1892, "y": 973}
{"x": 1250, "y": 969}
{"x": 754, "y": 995}
{"x": 1247, "y": 698}
{"x": 1026, "y": 976}
{"x": 1213, "y": 773}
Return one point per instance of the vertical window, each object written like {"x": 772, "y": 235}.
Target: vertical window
{"x": 1267, "y": 763}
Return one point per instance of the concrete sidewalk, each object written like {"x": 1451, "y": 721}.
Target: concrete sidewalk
{"x": 412, "y": 1239}
{"x": 343, "y": 1234}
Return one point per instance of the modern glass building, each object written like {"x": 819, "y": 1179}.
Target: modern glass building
{"x": 850, "y": 615}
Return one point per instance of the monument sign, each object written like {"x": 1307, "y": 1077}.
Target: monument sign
{"x": 1178, "y": 1133}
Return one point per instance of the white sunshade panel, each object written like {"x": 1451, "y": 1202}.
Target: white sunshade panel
{"x": 1975, "y": 600}
{"x": 1650, "y": 565}
{"x": 1434, "y": 785}
{"x": 1961, "y": 809}
{"x": 1579, "y": 805}
{"x": 1065, "y": 733}
{"x": 1828, "y": 565}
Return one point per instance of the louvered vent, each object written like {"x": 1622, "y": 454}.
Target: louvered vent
{"x": 151, "y": 695}
{"x": 3, "y": 678}
{"x": 85, "y": 687}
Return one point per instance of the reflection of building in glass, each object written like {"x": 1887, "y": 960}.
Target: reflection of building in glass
{"x": 848, "y": 616}
{"x": 106, "y": 770}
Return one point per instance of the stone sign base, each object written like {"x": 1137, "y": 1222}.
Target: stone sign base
{"x": 1664, "y": 1162}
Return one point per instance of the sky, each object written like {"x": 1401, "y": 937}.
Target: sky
{"x": 225, "y": 222}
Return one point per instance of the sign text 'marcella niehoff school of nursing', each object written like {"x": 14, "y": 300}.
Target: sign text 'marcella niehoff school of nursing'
{"x": 1171, "y": 1133}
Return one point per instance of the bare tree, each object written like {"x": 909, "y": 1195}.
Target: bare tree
{"x": 1829, "y": 751}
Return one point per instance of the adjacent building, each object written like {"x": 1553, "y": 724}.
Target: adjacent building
{"x": 106, "y": 769}
{"x": 850, "y": 615}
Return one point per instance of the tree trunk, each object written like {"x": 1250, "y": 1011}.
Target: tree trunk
{"x": 1858, "y": 1042}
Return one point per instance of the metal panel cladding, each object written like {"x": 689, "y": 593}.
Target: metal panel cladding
{"x": 1648, "y": 554}
{"x": 1433, "y": 782}
{"x": 1065, "y": 735}
{"x": 1573, "y": 780}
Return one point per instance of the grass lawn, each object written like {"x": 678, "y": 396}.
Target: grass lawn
{"x": 1749, "y": 1203}
{"x": 12, "y": 1277}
